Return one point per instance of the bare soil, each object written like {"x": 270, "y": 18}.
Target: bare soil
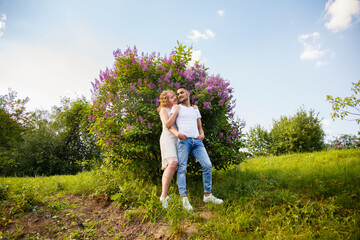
{"x": 85, "y": 217}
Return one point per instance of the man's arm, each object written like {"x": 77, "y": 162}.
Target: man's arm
{"x": 201, "y": 131}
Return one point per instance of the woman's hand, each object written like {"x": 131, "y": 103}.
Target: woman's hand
{"x": 176, "y": 107}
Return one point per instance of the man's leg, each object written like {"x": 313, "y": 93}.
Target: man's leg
{"x": 202, "y": 156}
{"x": 183, "y": 151}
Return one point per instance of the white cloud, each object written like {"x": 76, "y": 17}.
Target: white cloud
{"x": 341, "y": 13}
{"x": 221, "y": 12}
{"x": 319, "y": 64}
{"x": 196, "y": 56}
{"x": 2, "y": 24}
{"x": 326, "y": 122}
{"x": 311, "y": 47}
{"x": 196, "y": 35}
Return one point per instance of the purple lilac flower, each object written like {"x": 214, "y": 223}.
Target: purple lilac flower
{"x": 117, "y": 53}
{"x": 149, "y": 126}
{"x": 199, "y": 96}
{"x": 207, "y": 105}
{"x": 221, "y": 102}
{"x": 112, "y": 113}
{"x": 139, "y": 82}
{"x": 141, "y": 119}
{"x": 128, "y": 126}
{"x": 122, "y": 129}
{"x": 177, "y": 84}
{"x": 161, "y": 67}
{"x": 221, "y": 135}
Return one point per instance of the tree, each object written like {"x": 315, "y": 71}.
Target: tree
{"x": 13, "y": 123}
{"x": 60, "y": 143}
{"x": 258, "y": 141}
{"x": 345, "y": 141}
{"x": 347, "y": 108}
{"x": 127, "y": 124}
{"x": 300, "y": 133}
{"x": 77, "y": 146}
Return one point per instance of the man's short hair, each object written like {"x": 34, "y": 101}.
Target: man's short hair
{"x": 183, "y": 87}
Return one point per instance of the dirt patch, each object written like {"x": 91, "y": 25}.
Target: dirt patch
{"x": 78, "y": 217}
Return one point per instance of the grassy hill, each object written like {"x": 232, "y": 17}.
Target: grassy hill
{"x": 299, "y": 196}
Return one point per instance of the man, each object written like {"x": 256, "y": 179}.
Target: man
{"x": 190, "y": 135}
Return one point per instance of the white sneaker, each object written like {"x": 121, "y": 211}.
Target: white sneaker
{"x": 164, "y": 201}
{"x": 186, "y": 204}
{"x": 212, "y": 199}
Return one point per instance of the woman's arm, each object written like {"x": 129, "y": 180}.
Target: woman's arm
{"x": 171, "y": 121}
{"x": 165, "y": 117}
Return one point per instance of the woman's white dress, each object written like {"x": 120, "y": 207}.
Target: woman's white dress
{"x": 168, "y": 143}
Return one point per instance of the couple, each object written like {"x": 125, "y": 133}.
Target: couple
{"x": 177, "y": 144}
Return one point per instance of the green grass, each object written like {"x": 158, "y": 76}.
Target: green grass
{"x": 298, "y": 196}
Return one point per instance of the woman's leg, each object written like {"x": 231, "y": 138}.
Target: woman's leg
{"x": 167, "y": 176}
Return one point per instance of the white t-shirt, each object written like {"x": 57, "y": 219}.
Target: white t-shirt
{"x": 186, "y": 121}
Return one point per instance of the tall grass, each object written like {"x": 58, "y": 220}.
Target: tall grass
{"x": 299, "y": 196}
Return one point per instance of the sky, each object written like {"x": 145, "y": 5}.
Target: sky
{"x": 277, "y": 55}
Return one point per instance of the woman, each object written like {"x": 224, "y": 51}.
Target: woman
{"x": 168, "y": 141}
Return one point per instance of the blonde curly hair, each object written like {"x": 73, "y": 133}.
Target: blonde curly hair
{"x": 164, "y": 96}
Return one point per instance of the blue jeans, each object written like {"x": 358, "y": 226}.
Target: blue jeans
{"x": 197, "y": 148}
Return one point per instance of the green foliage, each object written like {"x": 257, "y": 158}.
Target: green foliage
{"x": 345, "y": 141}
{"x": 348, "y": 106}
{"x": 77, "y": 146}
{"x": 300, "y": 133}
{"x": 13, "y": 122}
{"x": 258, "y": 141}
{"x": 128, "y": 126}
{"x": 299, "y": 196}
{"x": 14, "y": 106}
{"x": 59, "y": 143}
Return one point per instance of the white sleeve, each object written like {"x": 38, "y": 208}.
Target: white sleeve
{"x": 198, "y": 115}
{"x": 172, "y": 110}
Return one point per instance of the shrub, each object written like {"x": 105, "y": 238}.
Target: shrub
{"x": 300, "y": 133}
{"x": 128, "y": 126}
{"x": 258, "y": 141}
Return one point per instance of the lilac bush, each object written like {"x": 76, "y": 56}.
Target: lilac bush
{"x": 124, "y": 116}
